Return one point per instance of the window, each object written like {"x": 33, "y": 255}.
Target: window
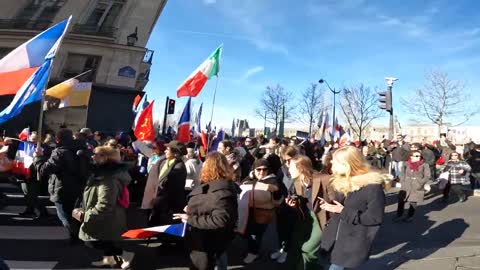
{"x": 79, "y": 63}
{"x": 105, "y": 14}
{"x": 38, "y": 14}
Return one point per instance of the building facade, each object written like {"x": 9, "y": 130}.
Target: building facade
{"x": 106, "y": 37}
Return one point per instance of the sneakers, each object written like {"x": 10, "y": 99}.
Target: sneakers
{"x": 106, "y": 261}
{"x": 279, "y": 256}
{"x": 282, "y": 258}
{"x": 276, "y": 255}
{"x": 250, "y": 258}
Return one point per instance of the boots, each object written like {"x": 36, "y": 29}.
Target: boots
{"x": 106, "y": 261}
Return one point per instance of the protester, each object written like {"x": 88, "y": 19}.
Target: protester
{"x": 194, "y": 167}
{"x": 357, "y": 210}
{"x": 64, "y": 185}
{"x": 474, "y": 162}
{"x": 226, "y": 148}
{"x": 412, "y": 182}
{"x": 169, "y": 197}
{"x": 103, "y": 218}
{"x": 286, "y": 216}
{"x": 400, "y": 151}
{"x": 262, "y": 207}
{"x": 459, "y": 177}
{"x": 211, "y": 213}
{"x": 311, "y": 219}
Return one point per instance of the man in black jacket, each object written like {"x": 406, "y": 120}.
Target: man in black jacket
{"x": 64, "y": 185}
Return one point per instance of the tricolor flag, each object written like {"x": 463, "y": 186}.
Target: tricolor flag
{"x": 323, "y": 127}
{"x": 16, "y": 63}
{"x": 24, "y": 159}
{"x": 192, "y": 86}
{"x": 198, "y": 119}
{"x": 23, "y": 136}
{"x": 220, "y": 137}
{"x": 335, "y": 130}
{"x": 345, "y": 139}
{"x": 183, "y": 134}
{"x": 17, "y": 67}
{"x": 174, "y": 229}
{"x": 136, "y": 101}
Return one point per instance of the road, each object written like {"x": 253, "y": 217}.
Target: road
{"x": 42, "y": 244}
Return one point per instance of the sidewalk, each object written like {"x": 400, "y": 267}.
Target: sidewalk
{"x": 449, "y": 258}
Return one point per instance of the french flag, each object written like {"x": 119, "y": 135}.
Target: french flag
{"x": 23, "y": 136}
{"x": 184, "y": 124}
{"x": 24, "y": 159}
{"x": 174, "y": 229}
{"x": 20, "y": 64}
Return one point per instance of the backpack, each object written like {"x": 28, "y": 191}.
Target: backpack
{"x": 124, "y": 197}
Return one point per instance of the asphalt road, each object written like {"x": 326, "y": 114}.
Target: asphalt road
{"x": 42, "y": 243}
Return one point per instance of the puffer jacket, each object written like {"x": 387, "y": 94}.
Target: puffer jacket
{"x": 61, "y": 168}
{"x": 104, "y": 219}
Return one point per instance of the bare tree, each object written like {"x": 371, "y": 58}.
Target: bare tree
{"x": 311, "y": 104}
{"x": 271, "y": 103}
{"x": 360, "y": 107}
{"x": 441, "y": 100}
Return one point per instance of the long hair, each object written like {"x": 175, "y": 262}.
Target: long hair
{"x": 216, "y": 167}
{"x": 355, "y": 165}
{"x": 305, "y": 168}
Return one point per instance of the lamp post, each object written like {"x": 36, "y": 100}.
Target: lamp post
{"x": 390, "y": 81}
{"x": 334, "y": 94}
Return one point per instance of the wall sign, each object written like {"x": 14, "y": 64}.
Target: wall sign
{"x": 128, "y": 72}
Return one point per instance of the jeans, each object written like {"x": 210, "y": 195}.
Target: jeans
{"x": 336, "y": 267}
{"x": 398, "y": 168}
{"x": 32, "y": 188}
{"x": 64, "y": 213}
{"x": 222, "y": 262}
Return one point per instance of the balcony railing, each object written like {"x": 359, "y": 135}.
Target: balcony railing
{"x": 24, "y": 24}
{"x": 93, "y": 30}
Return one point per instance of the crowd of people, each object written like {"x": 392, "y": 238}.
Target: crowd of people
{"x": 327, "y": 200}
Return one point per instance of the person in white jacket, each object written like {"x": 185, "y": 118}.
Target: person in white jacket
{"x": 194, "y": 167}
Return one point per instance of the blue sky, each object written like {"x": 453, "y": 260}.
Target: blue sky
{"x": 295, "y": 43}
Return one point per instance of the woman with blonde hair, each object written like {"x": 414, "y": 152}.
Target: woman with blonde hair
{"x": 310, "y": 189}
{"x": 103, "y": 217}
{"x": 211, "y": 213}
{"x": 357, "y": 209}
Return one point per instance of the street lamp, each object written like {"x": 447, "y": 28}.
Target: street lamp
{"x": 334, "y": 94}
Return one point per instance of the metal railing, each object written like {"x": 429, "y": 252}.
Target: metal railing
{"x": 24, "y": 24}
{"x": 94, "y": 30}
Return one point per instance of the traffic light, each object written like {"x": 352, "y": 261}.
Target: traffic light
{"x": 385, "y": 100}
{"x": 171, "y": 106}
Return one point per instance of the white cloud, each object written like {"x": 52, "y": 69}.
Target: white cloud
{"x": 209, "y": 2}
{"x": 252, "y": 72}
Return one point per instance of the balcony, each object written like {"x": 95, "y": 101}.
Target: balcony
{"x": 24, "y": 24}
{"x": 93, "y": 30}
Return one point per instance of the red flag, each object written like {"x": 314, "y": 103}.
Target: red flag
{"x": 136, "y": 101}
{"x": 204, "y": 141}
{"x": 144, "y": 130}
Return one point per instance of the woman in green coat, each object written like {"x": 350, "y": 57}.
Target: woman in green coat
{"x": 103, "y": 216}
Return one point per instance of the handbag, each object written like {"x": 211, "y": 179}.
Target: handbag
{"x": 260, "y": 215}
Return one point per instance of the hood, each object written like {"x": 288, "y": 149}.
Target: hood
{"x": 345, "y": 185}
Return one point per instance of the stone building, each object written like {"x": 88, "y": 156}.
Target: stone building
{"x": 108, "y": 37}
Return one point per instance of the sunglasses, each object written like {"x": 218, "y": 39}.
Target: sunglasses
{"x": 261, "y": 169}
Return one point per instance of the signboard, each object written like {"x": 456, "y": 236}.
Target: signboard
{"x": 128, "y": 72}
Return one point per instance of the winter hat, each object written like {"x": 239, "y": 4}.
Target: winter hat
{"x": 261, "y": 163}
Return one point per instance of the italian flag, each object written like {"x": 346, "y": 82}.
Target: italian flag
{"x": 192, "y": 86}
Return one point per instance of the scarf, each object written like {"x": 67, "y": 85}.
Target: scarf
{"x": 415, "y": 165}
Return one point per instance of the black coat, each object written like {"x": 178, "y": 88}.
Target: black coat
{"x": 474, "y": 161}
{"x": 170, "y": 196}
{"x": 61, "y": 168}
{"x": 212, "y": 210}
{"x": 349, "y": 235}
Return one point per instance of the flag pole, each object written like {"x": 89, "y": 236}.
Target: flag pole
{"x": 213, "y": 109}
{"x": 42, "y": 102}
